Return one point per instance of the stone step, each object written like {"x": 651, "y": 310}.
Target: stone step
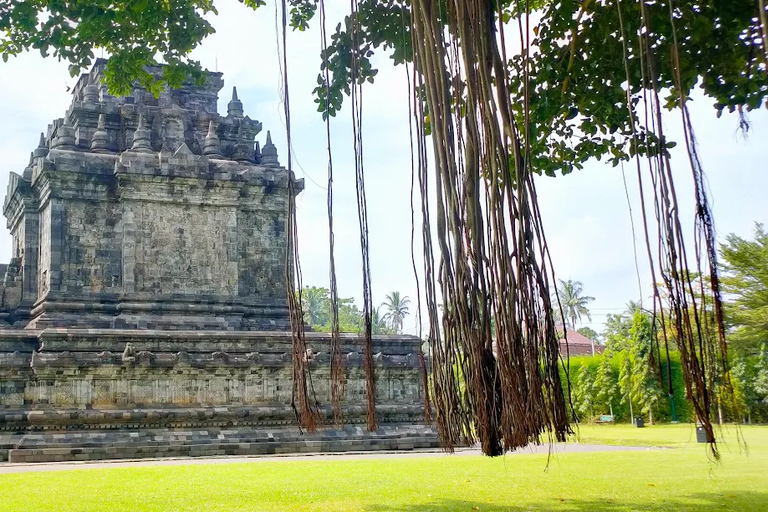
{"x": 211, "y": 443}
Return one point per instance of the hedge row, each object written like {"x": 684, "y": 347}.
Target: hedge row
{"x": 662, "y": 411}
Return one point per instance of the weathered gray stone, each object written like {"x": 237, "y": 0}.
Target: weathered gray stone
{"x": 146, "y": 294}
{"x": 139, "y": 218}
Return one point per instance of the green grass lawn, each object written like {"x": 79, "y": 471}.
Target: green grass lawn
{"x": 681, "y": 478}
{"x": 676, "y": 436}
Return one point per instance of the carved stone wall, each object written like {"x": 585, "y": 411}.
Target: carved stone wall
{"x": 59, "y": 382}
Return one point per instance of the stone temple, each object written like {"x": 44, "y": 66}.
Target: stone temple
{"x": 144, "y": 313}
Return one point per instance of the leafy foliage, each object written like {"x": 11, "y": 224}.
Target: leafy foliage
{"x": 584, "y": 392}
{"x": 588, "y": 332}
{"x": 577, "y": 79}
{"x": 133, "y": 32}
{"x": 578, "y": 89}
{"x": 626, "y": 388}
{"x": 316, "y": 304}
{"x": 606, "y": 388}
{"x": 745, "y": 280}
{"x": 749, "y": 378}
{"x": 616, "y": 332}
{"x": 631, "y": 377}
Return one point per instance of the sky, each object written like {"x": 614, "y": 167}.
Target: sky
{"x": 586, "y": 214}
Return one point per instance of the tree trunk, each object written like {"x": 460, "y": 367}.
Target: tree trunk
{"x": 631, "y": 414}
{"x": 719, "y": 413}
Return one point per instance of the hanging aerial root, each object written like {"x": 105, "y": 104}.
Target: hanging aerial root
{"x": 337, "y": 363}
{"x": 494, "y": 285}
{"x": 690, "y": 312}
{"x": 300, "y": 402}
{"x": 362, "y": 212}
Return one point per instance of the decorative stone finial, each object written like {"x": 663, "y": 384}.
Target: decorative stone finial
{"x": 91, "y": 93}
{"x": 141, "y": 140}
{"x": 235, "y": 107}
{"x": 27, "y": 173}
{"x": 269, "y": 153}
{"x": 100, "y": 140}
{"x": 42, "y": 148}
{"x": 211, "y": 144}
{"x": 65, "y": 137}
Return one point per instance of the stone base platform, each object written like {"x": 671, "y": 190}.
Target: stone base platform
{"x": 77, "y": 394}
{"x": 158, "y": 443}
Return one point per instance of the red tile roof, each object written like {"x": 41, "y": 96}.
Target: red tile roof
{"x": 578, "y": 345}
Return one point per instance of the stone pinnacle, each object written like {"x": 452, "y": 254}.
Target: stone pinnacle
{"x": 141, "y": 138}
{"x": 269, "y": 153}
{"x": 91, "y": 93}
{"x": 100, "y": 140}
{"x": 65, "y": 137}
{"x": 235, "y": 106}
{"x": 42, "y": 148}
{"x": 211, "y": 144}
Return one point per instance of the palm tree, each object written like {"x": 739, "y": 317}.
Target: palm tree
{"x": 632, "y": 307}
{"x": 574, "y": 304}
{"x": 397, "y": 310}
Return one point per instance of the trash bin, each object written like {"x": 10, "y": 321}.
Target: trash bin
{"x": 639, "y": 422}
{"x": 701, "y": 435}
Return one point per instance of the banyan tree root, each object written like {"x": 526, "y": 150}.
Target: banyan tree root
{"x": 490, "y": 267}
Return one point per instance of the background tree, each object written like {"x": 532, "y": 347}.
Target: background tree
{"x": 761, "y": 376}
{"x": 378, "y": 323}
{"x": 616, "y": 332}
{"x": 605, "y": 385}
{"x": 745, "y": 279}
{"x": 588, "y": 332}
{"x": 397, "y": 310}
{"x": 626, "y": 384}
{"x": 584, "y": 393}
{"x": 315, "y": 305}
{"x": 646, "y": 386}
{"x": 632, "y": 306}
{"x": 743, "y": 391}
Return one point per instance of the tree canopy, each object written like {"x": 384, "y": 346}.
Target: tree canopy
{"x": 746, "y": 281}
{"x": 577, "y": 85}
